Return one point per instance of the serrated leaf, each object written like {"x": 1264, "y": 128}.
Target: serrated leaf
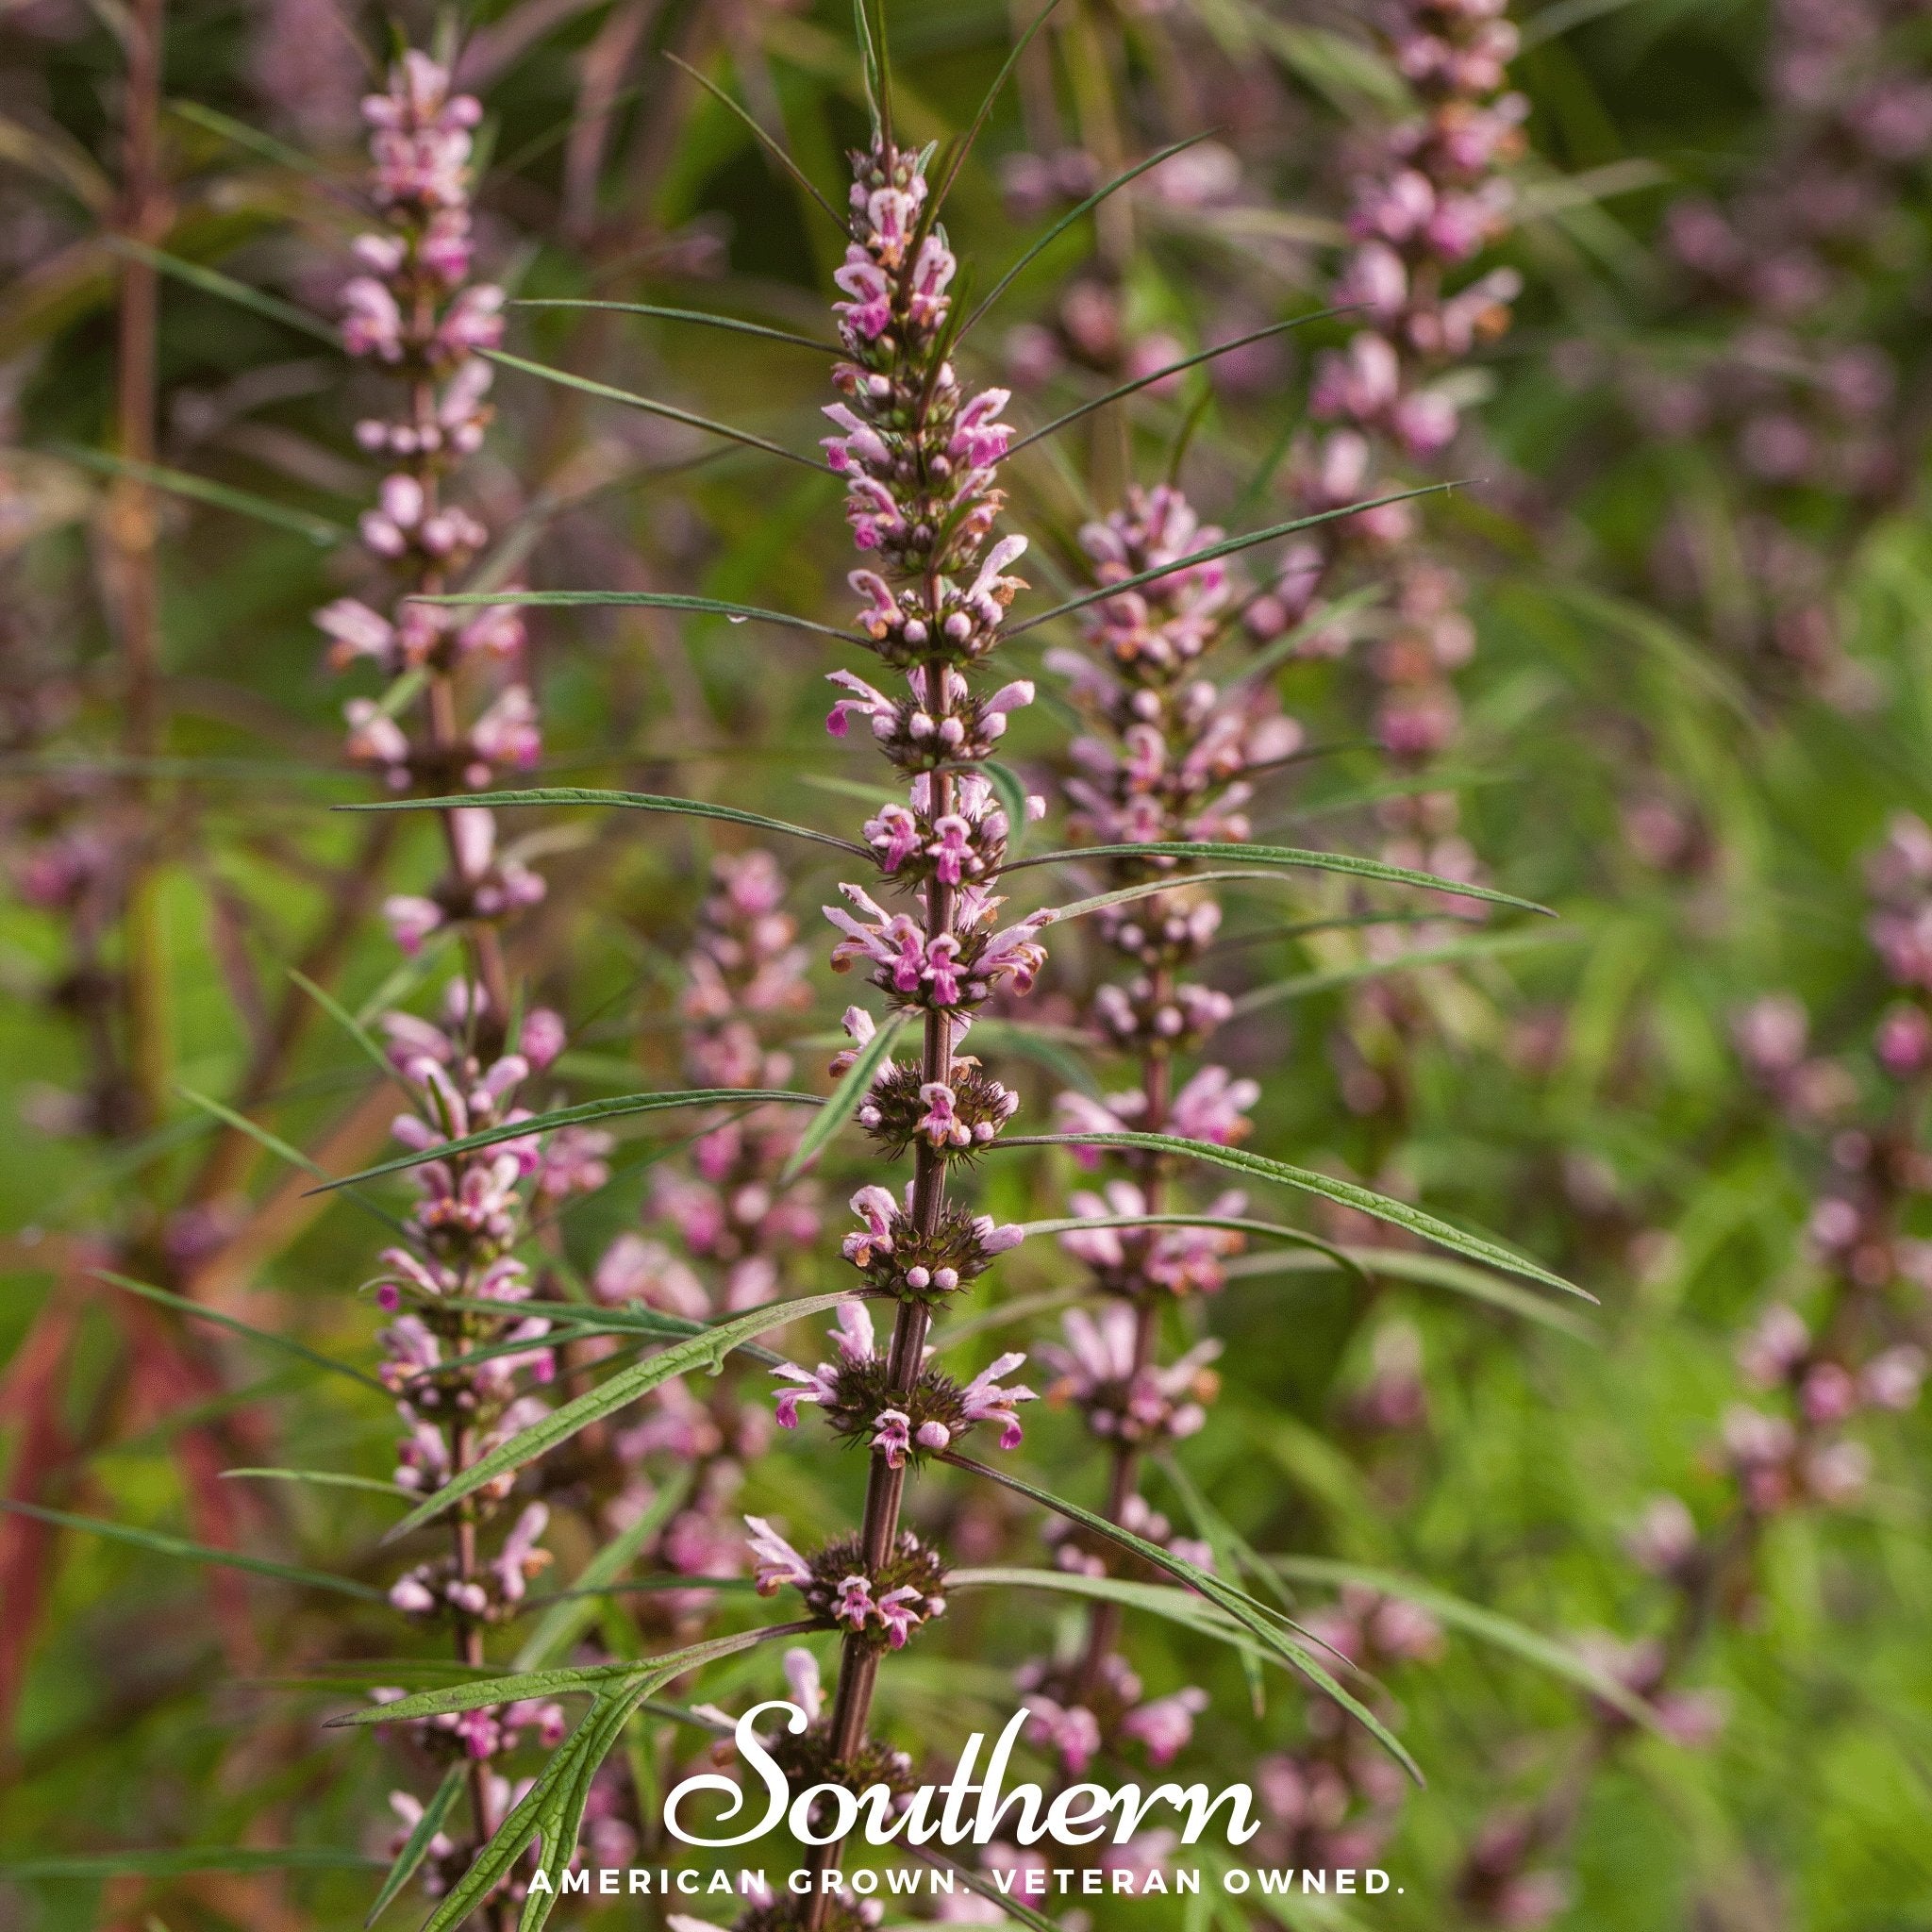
{"x": 161, "y": 1543}
{"x": 1273, "y": 1230}
{"x": 1490, "y": 1626}
{"x": 620, "y": 1106}
{"x": 606, "y": 392}
{"x": 854, "y": 1084}
{"x": 1257, "y": 1618}
{"x": 1344, "y": 1193}
{"x": 416, "y": 1846}
{"x": 1348, "y": 863}
{"x": 619, "y": 1392}
{"x": 620, "y": 801}
{"x": 267, "y": 1337}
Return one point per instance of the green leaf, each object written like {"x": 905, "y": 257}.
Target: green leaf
{"x": 293, "y": 1156}
{"x": 1053, "y": 234}
{"x": 765, "y": 141}
{"x": 733, "y": 323}
{"x": 347, "y": 1021}
{"x": 854, "y": 1084}
{"x": 1289, "y": 856}
{"x": 1037, "y": 1043}
{"x": 982, "y": 1886}
{"x": 1147, "y": 889}
{"x": 1012, "y": 791}
{"x": 554, "y": 1804}
{"x": 416, "y": 1846}
{"x": 623, "y": 800}
{"x": 1506, "y": 1633}
{"x": 1257, "y": 1618}
{"x": 1323, "y": 617}
{"x": 319, "y": 530}
{"x": 187, "y": 1860}
{"x": 1344, "y": 1193}
{"x": 1434, "y": 1270}
{"x": 287, "y": 1343}
{"x": 652, "y": 408}
{"x": 162, "y": 1544}
{"x": 705, "y": 1351}
{"x": 1228, "y": 547}
{"x": 212, "y": 281}
{"x": 564, "y": 1621}
{"x": 620, "y": 1106}
{"x": 324, "y": 1478}
{"x": 1451, "y": 953}
{"x": 1273, "y": 1230}
{"x": 650, "y": 599}
{"x": 1141, "y": 382}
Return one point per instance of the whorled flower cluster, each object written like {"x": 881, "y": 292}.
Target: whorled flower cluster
{"x": 416, "y": 312}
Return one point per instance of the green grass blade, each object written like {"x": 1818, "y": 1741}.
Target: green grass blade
{"x": 1344, "y": 1193}
{"x": 650, "y": 599}
{"x": 1271, "y": 1230}
{"x": 322, "y": 1478}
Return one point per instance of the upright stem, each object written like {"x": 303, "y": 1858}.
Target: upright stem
{"x": 132, "y": 538}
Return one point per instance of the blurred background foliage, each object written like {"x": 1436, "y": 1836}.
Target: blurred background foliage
{"x": 1650, "y": 742}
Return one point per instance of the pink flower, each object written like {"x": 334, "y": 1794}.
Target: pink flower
{"x": 986, "y": 1401}
{"x": 777, "y": 1562}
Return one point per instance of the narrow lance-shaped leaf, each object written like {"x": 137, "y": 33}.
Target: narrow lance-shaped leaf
{"x": 737, "y": 324}
{"x": 853, "y": 1086}
{"x": 185, "y": 1861}
{"x": 348, "y": 1023}
{"x": 1272, "y": 1230}
{"x": 213, "y": 282}
{"x": 1432, "y": 1271}
{"x": 700, "y": 1352}
{"x": 982, "y": 1886}
{"x": 319, "y": 530}
{"x": 1256, "y": 1617}
{"x": 937, "y": 201}
{"x": 322, "y": 1478}
{"x": 1141, "y": 382}
{"x": 1344, "y": 1193}
{"x": 652, "y": 408}
{"x": 1147, "y": 889}
{"x": 1506, "y": 1633}
{"x": 764, "y": 139}
{"x": 1228, "y": 547}
{"x": 619, "y": 1107}
{"x": 161, "y": 1543}
{"x": 267, "y": 1337}
{"x": 1293, "y": 856}
{"x": 547, "y": 1805}
{"x": 620, "y": 801}
{"x": 416, "y": 1846}
{"x": 1074, "y": 214}
{"x": 650, "y": 599}
{"x": 1451, "y": 953}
